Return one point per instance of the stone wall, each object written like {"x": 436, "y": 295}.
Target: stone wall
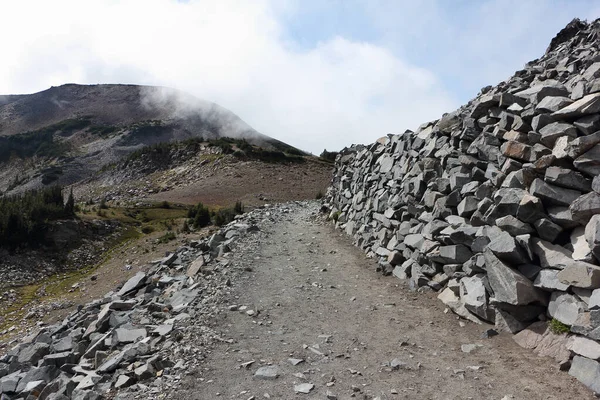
{"x": 496, "y": 205}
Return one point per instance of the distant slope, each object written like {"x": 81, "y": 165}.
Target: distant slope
{"x": 68, "y": 133}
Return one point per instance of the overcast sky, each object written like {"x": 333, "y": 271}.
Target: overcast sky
{"x": 314, "y": 73}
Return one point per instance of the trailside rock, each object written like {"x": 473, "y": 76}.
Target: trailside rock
{"x": 586, "y": 371}
{"x": 269, "y": 372}
{"x": 133, "y": 283}
{"x": 475, "y": 298}
{"x": 565, "y": 307}
{"x": 510, "y": 286}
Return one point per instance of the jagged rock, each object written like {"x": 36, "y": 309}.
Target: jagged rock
{"x": 589, "y": 162}
{"x": 513, "y": 226}
{"x": 547, "y": 279}
{"x": 584, "y": 207}
{"x": 133, "y": 283}
{"x": 506, "y": 248}
{"x": 582, "y": 251}
{"x": 475, "y": 298}
{"x": 553, "y": 131}
{"x": 530, "y": 209}
{"x": 510, "y": 286}
{"x": 568, "y": 179}
{"x": 450, "y": 299}
{"x": 547, "y": 229}
{"x": 553, "y": 194}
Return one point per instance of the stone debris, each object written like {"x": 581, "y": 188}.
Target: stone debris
{"x": 132, "y": 341}
{"x": 304, "y": 388}
{"x": 497, "y": 204}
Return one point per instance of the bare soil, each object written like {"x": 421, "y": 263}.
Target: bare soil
{"x": 254, "y": 183}
{"x": 308, "y": 280}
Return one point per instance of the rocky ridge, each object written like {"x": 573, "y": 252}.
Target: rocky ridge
{"x": 497, "y": 204}
{"x": 141, "y": 337}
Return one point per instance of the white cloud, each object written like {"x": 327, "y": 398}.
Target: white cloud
{"x": 230, "y": 52}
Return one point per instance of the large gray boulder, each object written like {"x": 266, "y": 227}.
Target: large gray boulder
{"x": 510, "y": 286}
{"x": 586, "y": 371}
{"x": 565, "y": 307}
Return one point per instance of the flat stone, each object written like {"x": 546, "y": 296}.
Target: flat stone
{"x": 195, "y": 266}
{"x": 127, "y": 335}
{"x": 532, "y": 336}
{"x": 553, "y": 103}
{"x": 551, "y": 255}
{"x": 581, "y": 274}
{"x": 582, "y": 251}
{"x": 135, "y": 282}
{"x": 589, "y": 104}
{"x": 513, "y": 226}
{"x": 547, "y": 279}
{"x": 304, "y": 388}
{"x": 584, "y": 347}
{"x": 268, "y": 372}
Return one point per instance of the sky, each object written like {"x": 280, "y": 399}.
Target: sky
{"x": 317, "y": 74}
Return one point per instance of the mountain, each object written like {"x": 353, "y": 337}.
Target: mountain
{"x": 68, "y": 133}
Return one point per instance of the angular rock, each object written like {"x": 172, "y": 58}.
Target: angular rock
{"x": 551, "y": 132}
{"x": 589, "y": 104}
{"x": 584, "y": 207}
{"x": 553, "y": 194}
{"x": 510, "y": 286}
{"x": 589, "y": 162}
{"x": 135, "y": 282}
{"x": 586, "y": 371}
{"x": 269, "y": 372}
{"x": 567, "y": 179}
{"x": 565, "y": 307}
{"x": 547, "y": 279}
{"x": 475, "y": 298}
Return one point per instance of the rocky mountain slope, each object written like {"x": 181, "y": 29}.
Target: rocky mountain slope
{"x": 66, "y": 134}
{"x": 497, "y": 205}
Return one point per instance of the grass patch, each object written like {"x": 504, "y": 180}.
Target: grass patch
{"x": 558, "y": 327}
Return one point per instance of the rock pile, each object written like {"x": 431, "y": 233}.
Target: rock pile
{"x": 135, "y": 339}
{"x": 497, "y": 204}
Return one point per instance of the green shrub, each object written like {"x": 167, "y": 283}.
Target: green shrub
{"x": 165, "y": 204}
{"x": 336, "y": 216}
{"x": 148, "y": 229}
{"x": 199, "y": 216}
{"x": 24, "y": 218}
{"x": 319, "y": 195}
{"x": 558, "y": 327}
{"x": 238, "y": 208}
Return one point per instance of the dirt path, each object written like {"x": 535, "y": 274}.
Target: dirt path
{"x": 307, "y": 281}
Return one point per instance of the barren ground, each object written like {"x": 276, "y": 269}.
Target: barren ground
{"x": 308, "y": 280}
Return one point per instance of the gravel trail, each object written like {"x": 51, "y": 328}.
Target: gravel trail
{"x": 314, "y": 297}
